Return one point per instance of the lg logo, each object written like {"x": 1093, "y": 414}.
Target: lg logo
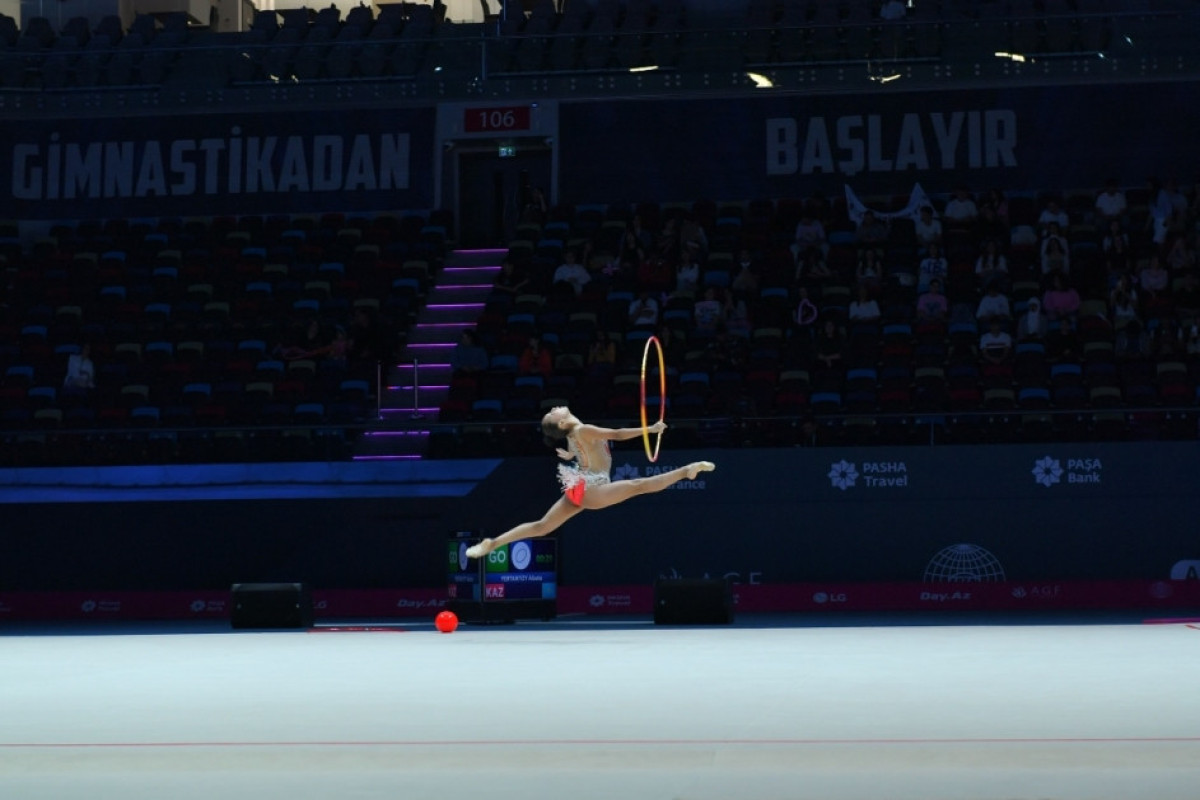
{"x": 822, "y": 598}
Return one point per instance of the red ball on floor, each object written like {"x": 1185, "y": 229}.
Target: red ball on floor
{"x": 446, "y": 621}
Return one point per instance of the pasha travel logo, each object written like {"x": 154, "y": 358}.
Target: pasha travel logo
{"x": 626, "y": 472}
{"x": 1048, "y": 471}
{"x": 845, "y": 474}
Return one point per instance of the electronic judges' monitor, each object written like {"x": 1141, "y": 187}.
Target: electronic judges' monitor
{"x": 516, "y": 581}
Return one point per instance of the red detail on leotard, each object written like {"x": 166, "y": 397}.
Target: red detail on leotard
{"x": 575, "y": 493}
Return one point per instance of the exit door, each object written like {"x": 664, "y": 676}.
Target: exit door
{"x": 492, "y": 189}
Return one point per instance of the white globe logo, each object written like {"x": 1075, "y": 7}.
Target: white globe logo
{"x": 521, "y": 554}
{"x": 462, "y": 556}
{"x": 964, "y": 563}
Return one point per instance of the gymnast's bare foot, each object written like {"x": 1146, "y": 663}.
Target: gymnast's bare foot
{"x": 694, "y": 469}
{"x": 480, "y": 550}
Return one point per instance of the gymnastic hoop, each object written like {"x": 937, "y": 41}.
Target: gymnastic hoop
{"x": 662, "y": 397}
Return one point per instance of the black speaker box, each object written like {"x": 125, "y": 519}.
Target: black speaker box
{"x": 693, "y": 601}
{"x": 271, "y": 605}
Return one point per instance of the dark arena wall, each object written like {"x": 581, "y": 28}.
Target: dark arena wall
{"x": 1089, "y": 524}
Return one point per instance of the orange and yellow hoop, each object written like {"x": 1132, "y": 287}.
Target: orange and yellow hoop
{"x": 662, "y": 397}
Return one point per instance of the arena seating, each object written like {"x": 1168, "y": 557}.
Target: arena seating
{"x": 401, "y": 41}
{"x": 198, "y": 330}
{"x": 902, "y": 379}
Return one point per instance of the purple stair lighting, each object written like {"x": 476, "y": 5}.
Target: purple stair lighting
{"x": 454, "y": 302}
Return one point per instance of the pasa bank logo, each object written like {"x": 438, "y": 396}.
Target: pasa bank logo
{"x": 843, "y": 475}
{"x": 1047, "y": 471}
{"x": 625, "y": 472}
{"x": 629, "y": 471}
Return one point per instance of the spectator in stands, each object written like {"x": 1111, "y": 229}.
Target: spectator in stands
{"x": 468, "y": 356}
{"x": 1124, "y": 309}
{"x": 872, "y": 232}
{"x": 932, "y": 305}
{"x": 643, "y": 239}
{"x": 1132, "y": 342}
{"x": 534, "y": 207}
{"x": 1179, "y": 207}
{"x": 933, "y": 266}
{"x": 737, "y": 315}
{"x": 928, "y": 227}
{"x": 830, "y": 346}
{"x": 369, "y": 342}
{"x": 995, "y": 345}
{"x": 643, "y": 310}
{"x": 312, "y": 341}
{"x": 991, "y": 266}
{"x": 602, "y": 355}
{"x": 993, "y": 305}
{"x": 1115, "y": 249}
{"x": 572, "y": 273}
{"x": 1110, "y": 204}
{"x": 864, "y": 308}
{"x": 1124, "y": 291}
{"x": 1061, "y": 300}
{"x": 708, "y": 312}
{"x": 1056, "y": 259}
{"x": 1182, "y": 255}
{"x": 630, "y": 255}
{"x": 603, "y": 349}
{"x": 1186, "y": 291}
{"x": 687, "y": 275}
{"x": 745, "y": 282}
{"x": 809, "y": 234}
{"x": 692, "y": 238}
{"x": 993, "y": 215}
{"x": 336, "y": 351}
{"x": 510, "y": 281}
{"x": 666, "y": 245}
{"x": 1032, "y": 325}
{"x": 868, "y": 273}
{"x": 673, "y": 344}
{"x": 536, "y": 359}
{"x": 81, "y": 372}
{"x": 1167, "y": 341}
{"x": 1192, "y": 340}
{"x": 1161, "y": 212}
{"x": 1062, "y": 341}
{"x": 1153, "y": 280}
{"x": 960, "y": 210}
{"x": 1052, "y": 214}
{"x": 811, "y": 269}
{"x": 655, "y": 274}
{"x": 893, "y": 10}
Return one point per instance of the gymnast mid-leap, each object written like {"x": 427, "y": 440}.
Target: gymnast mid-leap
{"x": 586, "y": 483}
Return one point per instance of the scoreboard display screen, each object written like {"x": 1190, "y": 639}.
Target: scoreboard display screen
{"x": 524, "y": 570}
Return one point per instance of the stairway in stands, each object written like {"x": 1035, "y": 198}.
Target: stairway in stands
{"x": 415, "y": 387}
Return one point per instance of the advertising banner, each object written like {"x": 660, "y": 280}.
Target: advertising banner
{"x": 217, "y": 164}
{"x": 773, "y": 145}
{"x": 1020, "y": 526}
